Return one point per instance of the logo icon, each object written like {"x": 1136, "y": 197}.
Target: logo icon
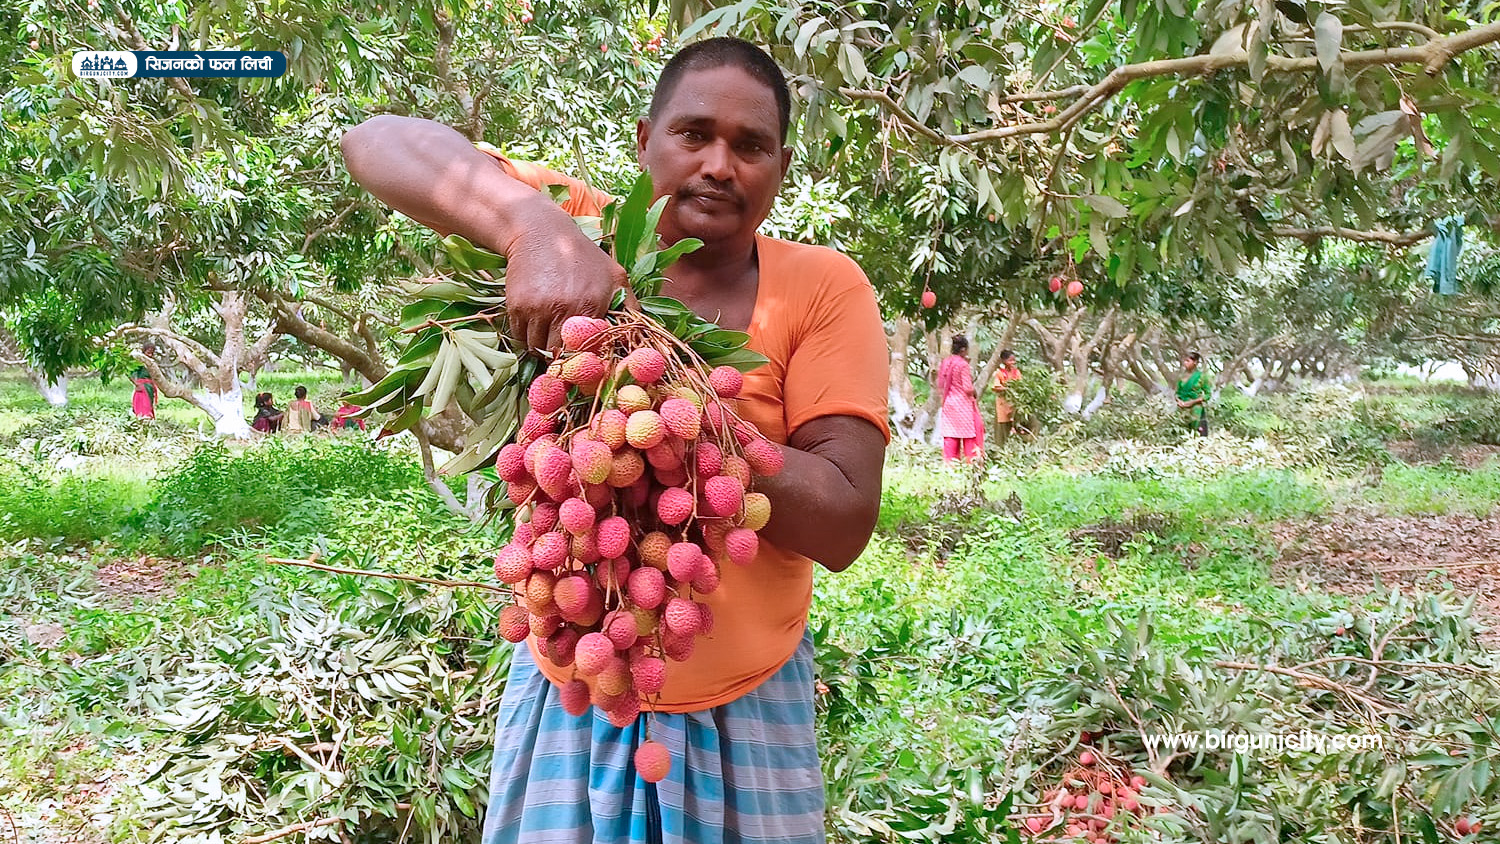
{"x": 104, "y": 64}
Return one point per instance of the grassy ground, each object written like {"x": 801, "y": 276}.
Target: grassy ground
{"x": 1086, "y": 582}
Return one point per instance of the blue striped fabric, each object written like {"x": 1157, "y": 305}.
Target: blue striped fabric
{"x": 743, "y": 773}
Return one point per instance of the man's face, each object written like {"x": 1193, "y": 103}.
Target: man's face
{"x": 716, "y": 150}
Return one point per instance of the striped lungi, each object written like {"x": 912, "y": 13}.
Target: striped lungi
{"x": 742, "y": 773}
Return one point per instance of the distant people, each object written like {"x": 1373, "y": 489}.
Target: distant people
{"x": 267, "y": 416}
{"x": 301, "y": 417}
{"x": 346, "y": 417}
{"x": 1193, "y": 392}
{"x": 1005, "y": 411}
{"x": 143, "y": 400}
{"x": 958, "y": 420}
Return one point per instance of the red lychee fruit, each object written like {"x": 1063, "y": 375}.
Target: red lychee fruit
{"x": 591, "y": 460}
{"x": 512, "y": 563}
{"x": 1075, "y": 287}
{"x": 571, "y": 595}
{"x": 515, "y": 623}
{"x": 646, "y": 365}
{"x": 674, "y": 506}
{"x": 609, "y": 428}
{"x": 547, "y": 394}
{"x": 577, "y": 331}
{"x": 708, "y": 459}
{"x": 726, "y": 381}
{"x": 649, "y": 673}
{"x": 929, "y": 299}
{"x": 612, "y": 537}
{"x": 621, "y": 629}
{"x": 584, "y": 369}
{"x": 682, "y": 418}
{"x": 682, "y": 561}
{"x": 764, "y": 457}
{"x": 682, "y": 617}
{"x": 510, "y": 463}
{"x": 652, "y": 761}
{"x": 575, "y": 697}
{"x": 631, "y": 398}
{"x": 593, "y": 654}
{"x": 723, "y": 495}
{"x": 742, "y": 544}
{"x": 647, "y": 587}
{"x": 549, "y": 551}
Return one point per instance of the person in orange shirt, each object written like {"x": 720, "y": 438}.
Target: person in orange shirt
{"x": 1004, "y": 411}
{"x": 737, "y": 715}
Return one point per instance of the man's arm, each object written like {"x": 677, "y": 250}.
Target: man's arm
{"x": 431, "y": 173}
{"x": 825, "y": 501}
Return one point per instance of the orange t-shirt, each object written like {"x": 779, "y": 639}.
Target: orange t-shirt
{"x": 817, "y": 321}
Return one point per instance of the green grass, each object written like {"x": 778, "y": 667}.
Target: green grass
{"x": 1442, "y": 489}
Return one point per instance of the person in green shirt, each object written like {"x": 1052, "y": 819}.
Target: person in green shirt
{"x": 1193, "y": 392}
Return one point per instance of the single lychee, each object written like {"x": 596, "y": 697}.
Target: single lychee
{"x": 625, "y": 468}
{"x": 515, "y": 623}
{"x": 724, "y": 495}
{"x": 593, "y": 654}
{"x": 559, "y": 646}
{"x": 1055, "y": 283}
{"x": 674, "y": 506}
{"x": 523, "y": 534}
{"x": 621, "y": 629}
{"x": 756, "y": 511}
{"x": 726, "y": 381}
{"x": 652, "y": 761}
{"x": 576, "y": 515}
{"x": 625, "y": 712}
{"x": 549, "y": 551}
{"x": 547, "y": 394}
{"x": 708, "y": 458}
{"x": 714, "y": 532}
{"x": 510, "y": 463}
{"x": 577, "y": 331}
{"x": 671, "y": 477}
{"x": 929, "y": 299}
{"x": 583, "y": 548}
{"x": 543, "y": 518}
{"x": 631, "y": 398}
{"x": 612, "y": 537}
{"x": 682, "y": 561}
{"x": 645, "y": 429}
{"x": 553, "y": 468}
{"x": 584, "y": 369}
{"x": 513, "y": 563}
{"x": 1075, "y": 287}
{"x": 682, "y": 617}
{"x": 609, "y": 427}
{"x": 649, "y": 673}
{"x": 653, "y": 549}
{"x": 742, "y": 545}
{"x": 736, "y": 467}
{"x": 705, "y": 619}
{"x": 592, "y": 460}
{"x": 539, "y": 592}
{"x": 614, "y": 678}
{"x": 667, "y": 454}
{"x": 646, "y": 365}
{"x": 647, "y": 587}
{"x": 682, "y": 418}
{"x": 707, "y": 581}
{"x": 599, "y": 496}
{"x": 677, "y": 647}
{"x": 543, "y": 626}
{"x": 535, "y": 425}
{"x": 764, "y": 457}
{"x": 574, "y": 695}
{"x": 519, "y": 492}
{"x": 571, "y": 595}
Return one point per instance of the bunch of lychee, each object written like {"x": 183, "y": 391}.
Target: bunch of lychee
{"x": 1087, "y": 802}
{"x": 632, "y": 476}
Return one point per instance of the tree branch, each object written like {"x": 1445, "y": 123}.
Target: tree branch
{"x": 1308, "y": 235}
{"x": 1433, "y": 56}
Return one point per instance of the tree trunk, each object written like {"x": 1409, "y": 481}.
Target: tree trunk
{"x": 902, "y": 395}
{"x": 54, "y": 391}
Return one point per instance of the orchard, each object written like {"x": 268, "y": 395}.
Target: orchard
{"x": 214, "y": 632}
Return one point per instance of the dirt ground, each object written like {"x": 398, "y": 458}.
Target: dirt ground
{"x": 1357, "y": 553}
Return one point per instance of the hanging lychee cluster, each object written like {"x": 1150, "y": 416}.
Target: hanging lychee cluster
{"x": 628, "y": 472}
{"x": 633, "y": 481}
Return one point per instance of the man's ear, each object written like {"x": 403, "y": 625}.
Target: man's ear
{"x": 786, "y": 161}
{"x": 642, "y": 134}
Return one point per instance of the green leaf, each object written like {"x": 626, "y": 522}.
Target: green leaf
{"x": 631, "y": 223}
{"x": 1106, "y": 205}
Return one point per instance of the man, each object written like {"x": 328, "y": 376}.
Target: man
{"x": 737, "y": 715}
{"x": 1193, "y": 392}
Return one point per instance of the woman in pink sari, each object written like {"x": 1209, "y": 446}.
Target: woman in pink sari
{"x": 958, "y": 421}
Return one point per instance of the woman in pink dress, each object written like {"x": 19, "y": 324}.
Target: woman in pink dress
{"x": 958, "y": 421}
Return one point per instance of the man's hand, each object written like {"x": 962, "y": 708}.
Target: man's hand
{"x": 552, "y": 273}
{"x": 434, "y": 175}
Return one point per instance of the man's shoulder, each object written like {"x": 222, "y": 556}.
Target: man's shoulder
{"x": 807, "y": 258}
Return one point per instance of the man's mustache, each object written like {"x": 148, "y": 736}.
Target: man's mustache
{"x": 689, "y": 192}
